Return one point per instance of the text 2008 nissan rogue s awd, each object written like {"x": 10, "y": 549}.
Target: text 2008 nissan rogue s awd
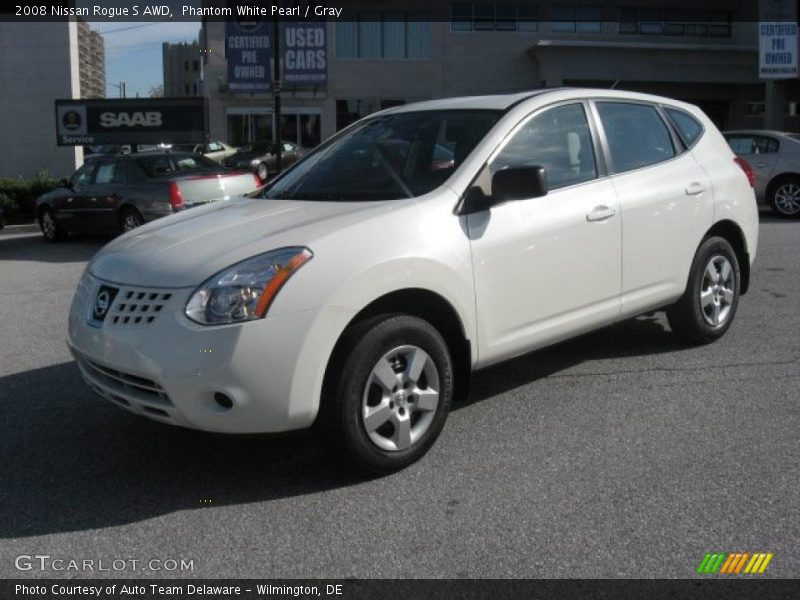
{"x": 361, "y": 288}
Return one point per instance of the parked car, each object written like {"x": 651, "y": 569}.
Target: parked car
{"x": 775, "y": 158}
{"x": 260, "y": 158}
{"x": 121, "y": 192}
{"x": 358, "y": 290}
{"x": 216, "y": 151}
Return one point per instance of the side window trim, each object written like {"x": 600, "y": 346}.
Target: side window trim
{"x": 677, "y": 141}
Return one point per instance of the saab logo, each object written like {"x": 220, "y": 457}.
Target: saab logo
{"x": 734, "y": 563}
{"x": 136, "y": 119}
{"x": 71, "y": 120}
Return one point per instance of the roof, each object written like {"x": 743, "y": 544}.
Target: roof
{"x": 759, "y": 132}
{"x": 506, "y": 101}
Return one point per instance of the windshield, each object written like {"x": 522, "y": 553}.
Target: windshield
{"x": 387, "y": 158}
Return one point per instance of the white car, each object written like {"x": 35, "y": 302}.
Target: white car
{"x": 365, "y": 284}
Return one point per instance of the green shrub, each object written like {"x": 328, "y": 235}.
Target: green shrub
{"x": 18, "y": 195}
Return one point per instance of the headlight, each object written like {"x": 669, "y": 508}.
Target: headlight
{"x": 244, "y": 291}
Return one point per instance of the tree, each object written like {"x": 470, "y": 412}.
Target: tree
{"x": 156, "y": 91}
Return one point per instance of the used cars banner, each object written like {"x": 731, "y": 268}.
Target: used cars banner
{"x": 304, "y": 53}
{"x": 131, "y": 121}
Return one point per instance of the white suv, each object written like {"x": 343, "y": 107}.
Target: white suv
{"x": 361, "y": 288}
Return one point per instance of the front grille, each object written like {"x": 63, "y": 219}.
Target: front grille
{"x": 124, "y": 388}
{"x": 136, "y": 306}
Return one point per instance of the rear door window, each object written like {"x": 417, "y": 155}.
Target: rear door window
{"x": 637, "y": 137}
{"x": 105, "y": 172}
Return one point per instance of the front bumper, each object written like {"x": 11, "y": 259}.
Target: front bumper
{"x": 156, "y": 363}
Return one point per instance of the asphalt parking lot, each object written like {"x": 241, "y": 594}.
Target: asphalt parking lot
{"x": 620, "y": 454}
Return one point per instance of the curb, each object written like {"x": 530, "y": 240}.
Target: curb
{"x": 26, "y": 228}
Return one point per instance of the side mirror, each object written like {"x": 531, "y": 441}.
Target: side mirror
{"x": 519, "y": 183}
{"x": 65, "y": 183}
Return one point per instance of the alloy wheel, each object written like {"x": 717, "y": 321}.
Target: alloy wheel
{"x": 48, "y": 225}
{"x": 130, "y": 221}
{"x": 400, "y": 398}
{"x": 717, "y": 291}
{"x": 787, "y": 199}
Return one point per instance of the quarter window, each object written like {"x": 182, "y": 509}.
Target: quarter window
{"x": 688, "y": 127}
{"x": 559, "y": 140}
{"x": 637, "y": 137}
{"x": 752, "y": 144}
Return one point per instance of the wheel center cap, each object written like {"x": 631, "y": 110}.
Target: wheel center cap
{"x": 401, "y": 397}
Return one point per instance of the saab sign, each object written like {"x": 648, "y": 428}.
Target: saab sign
{"x": 134, "y": 121}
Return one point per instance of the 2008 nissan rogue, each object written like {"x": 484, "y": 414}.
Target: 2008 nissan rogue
{"x": 361, "y": 288}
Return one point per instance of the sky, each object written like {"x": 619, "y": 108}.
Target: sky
{"x": 133, "y": 52}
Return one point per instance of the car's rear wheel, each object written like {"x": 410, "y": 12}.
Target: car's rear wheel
{"x": 262, "y": 171}
{"x": 785, "y": 197}
{"x": 707, "y": 308}
{"x": 130, "y": 219}
{"x": 51, "y": 230}
{"x": 389, "y": 398}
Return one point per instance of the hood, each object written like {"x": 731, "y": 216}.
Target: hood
{"x": 185, "y": 249}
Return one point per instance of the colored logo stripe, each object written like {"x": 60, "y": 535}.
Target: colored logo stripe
{"x": 732, "y": 563}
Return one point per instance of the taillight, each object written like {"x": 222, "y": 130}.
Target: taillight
{"x": 745, "y": 166}
{"x": 175, "y": 198}
{"x": 257, "y": 180}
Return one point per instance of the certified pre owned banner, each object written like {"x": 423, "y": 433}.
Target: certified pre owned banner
{"x": 247, "y": 49}
{"x": 305, "y": 59}
{"x": 134, "y": 121}
{"x": 777, "y": 39}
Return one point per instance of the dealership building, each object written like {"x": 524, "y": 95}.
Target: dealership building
{"x": 709, "y": 57}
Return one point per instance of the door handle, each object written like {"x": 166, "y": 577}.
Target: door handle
{"x": 695, "y": 189}
{"x": 601, "y": 213}
{"x": 761, "y": 165}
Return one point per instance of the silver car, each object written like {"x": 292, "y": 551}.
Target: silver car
{"x": 774, "y": 156}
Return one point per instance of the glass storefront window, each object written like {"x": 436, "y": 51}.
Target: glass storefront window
{"x": 296, "y": 127}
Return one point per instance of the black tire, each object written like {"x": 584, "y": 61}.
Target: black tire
{"x": 688, "y": 317}
{"x": 342, "y": 416}
{"x": 788, "y": 186}
{"x": 262, "y": 172}
{"x": 129, "y": 219}
{"x": 51, "y": 230}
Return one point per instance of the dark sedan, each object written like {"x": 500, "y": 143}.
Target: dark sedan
{"x": 261, "y": 158}
{"x": 113, "y": 194}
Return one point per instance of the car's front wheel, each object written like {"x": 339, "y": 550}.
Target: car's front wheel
{"x": 706, "y": 310}
{"x": 390, "y": 396}
{"x": 51, "y": 230}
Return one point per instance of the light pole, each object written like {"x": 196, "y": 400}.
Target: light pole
{"x": 276, "y": 90}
